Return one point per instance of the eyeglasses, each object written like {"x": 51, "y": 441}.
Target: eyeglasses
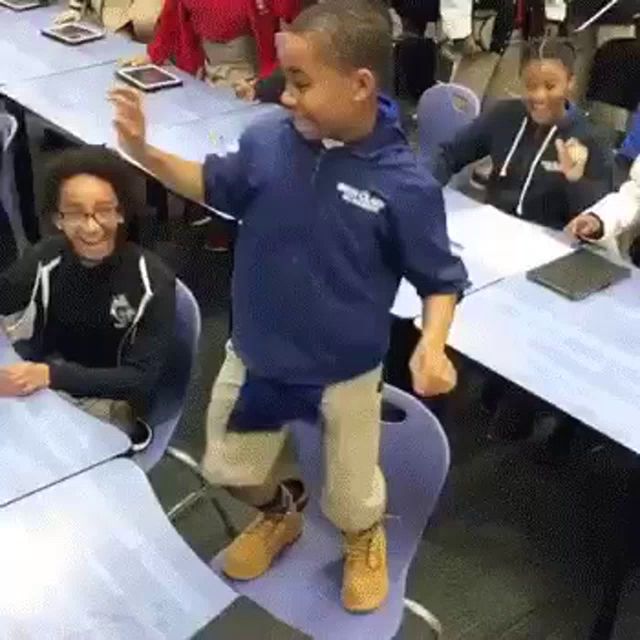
{"x": 103, "y": 217}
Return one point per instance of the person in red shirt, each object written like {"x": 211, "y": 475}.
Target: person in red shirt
{"x": 228, "y": 42}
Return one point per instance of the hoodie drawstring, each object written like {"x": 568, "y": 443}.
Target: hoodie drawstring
{"x": 146, "y": 298}
{"x": 514, "y": 147}
{"x": 534, "y": 164}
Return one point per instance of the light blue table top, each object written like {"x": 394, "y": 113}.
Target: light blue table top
{"x": 44, "y": 439}
{"x": 493, "y": 245}
{"x": 582, "y": 357}
{"x": 77, "y": 102}
{"x": 219, "y": 134}
{"x": 95, "y": 557}
{"x": 26, "y": 54}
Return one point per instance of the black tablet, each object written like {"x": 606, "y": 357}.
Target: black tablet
{"x": 149, "y": 77}
{"x": 74, "y": 33}
{"x": 21, "y": 5}
{"x": 579, "y": 274}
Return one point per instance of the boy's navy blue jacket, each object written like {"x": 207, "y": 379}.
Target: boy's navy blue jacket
{"x": 327, "y": 231}
{"x": 523, "y": 182}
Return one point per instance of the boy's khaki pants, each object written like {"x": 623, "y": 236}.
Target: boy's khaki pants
{"x": 252, "y": 465}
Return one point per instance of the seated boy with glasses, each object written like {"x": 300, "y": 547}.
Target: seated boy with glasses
{"x": 91, "y": 314}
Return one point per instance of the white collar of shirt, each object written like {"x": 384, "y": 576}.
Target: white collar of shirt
{"x": 330, "y": 143}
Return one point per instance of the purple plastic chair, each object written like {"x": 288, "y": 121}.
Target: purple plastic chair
{"x": 303, "y": 587}
{"x": 168, "y": 404}
{"x": 442, "y": 111}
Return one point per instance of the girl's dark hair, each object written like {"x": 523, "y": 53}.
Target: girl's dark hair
{"x": 95, "y": 161}
{"x": 549, "y": 49}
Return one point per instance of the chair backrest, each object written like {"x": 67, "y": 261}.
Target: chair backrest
{"x": 8, "y": 130}
{"x": 442, "y": 111}
{"x": 168, "y": 403}
{"x": 13, "y": 236}
{"x": 303, "y": 588}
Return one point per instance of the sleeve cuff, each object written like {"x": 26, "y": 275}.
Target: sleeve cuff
{"x": 602, "y": 227}
{"x": 556, "y": 10}
{"x": 456, "y": 26}
{"x": 456, "y": 284}
{"x": 56, "y": 376}
{"x": 607, "y": 211}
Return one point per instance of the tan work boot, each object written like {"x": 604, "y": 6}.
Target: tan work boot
{"x": 365, "y": 584}
{"x": 255, "y": 549}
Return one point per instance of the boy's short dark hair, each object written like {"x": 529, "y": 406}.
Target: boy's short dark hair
{"x": 93, "y": 160}
{"x": 549, "y": 49}
{"x": 358, "y": 33}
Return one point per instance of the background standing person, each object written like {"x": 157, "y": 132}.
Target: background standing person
{"x": 229, "y": 41}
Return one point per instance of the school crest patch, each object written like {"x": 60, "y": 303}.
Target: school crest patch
{"x": 121, "y": 311}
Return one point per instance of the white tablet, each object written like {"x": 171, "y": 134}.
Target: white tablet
{"x": 149, "y": 77}
{"x": 21, "y": 5}
{"x": 74, "y": 33}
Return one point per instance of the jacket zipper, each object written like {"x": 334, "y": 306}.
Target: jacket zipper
{"x": 316, "y": 168}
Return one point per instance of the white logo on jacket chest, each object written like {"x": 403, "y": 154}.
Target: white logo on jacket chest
{"x": 122, "y": 312}
{"x": 361, "y": 199}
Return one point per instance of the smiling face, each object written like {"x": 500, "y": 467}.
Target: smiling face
{"x": 325, "y": 100}
{"x": 89, "y": 216}
{"x": 548, "y": 86}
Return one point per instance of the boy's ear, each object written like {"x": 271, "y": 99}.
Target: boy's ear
{"x": 366, "y": 85}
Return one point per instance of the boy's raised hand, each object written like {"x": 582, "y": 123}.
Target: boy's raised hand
{"x": 129, "y": 120}
{"x": 573, "y": 157}
{"x": 432, "y": 372}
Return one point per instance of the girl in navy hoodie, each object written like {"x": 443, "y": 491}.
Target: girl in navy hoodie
{"x": 547, "y": 162}
{"x": 547, "y": 167}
